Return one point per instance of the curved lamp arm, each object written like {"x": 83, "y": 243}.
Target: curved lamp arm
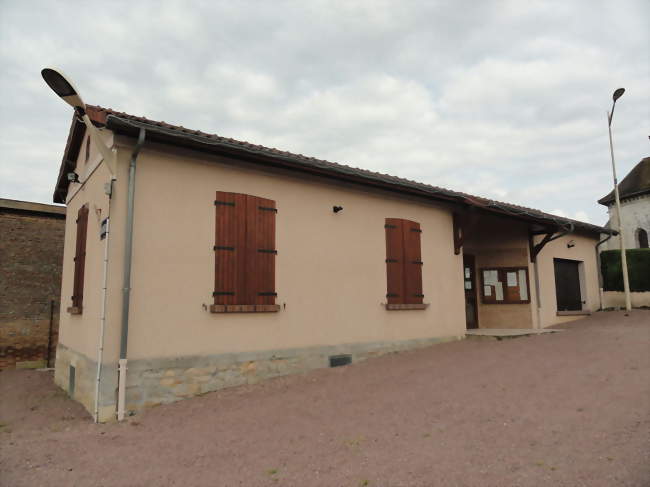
{"x": 64, "y": 88}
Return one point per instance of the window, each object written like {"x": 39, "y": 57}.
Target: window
{"x": 642, "y": 237}
{"x": 403, "y": 264}
{"x": 505, "y": 285}
{"x": 79, "y": 261}
{"x": 244, "y": 254}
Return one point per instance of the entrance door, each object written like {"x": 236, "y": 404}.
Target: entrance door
{"x": 567, "y": 285}
{"x": 471, "y": 310}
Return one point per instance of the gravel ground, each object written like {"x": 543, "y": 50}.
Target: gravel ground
{"x": 563, "y": 409}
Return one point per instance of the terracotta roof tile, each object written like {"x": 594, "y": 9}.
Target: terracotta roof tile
{"x": 104, "y": 115}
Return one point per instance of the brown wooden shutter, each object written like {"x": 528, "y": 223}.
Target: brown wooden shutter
{"x": 403, "y": 262}
{"x": 230, "y": 248}
{"x": 394, "y": 260}
{"x": 80, "y": 257}
{"x": 261, "y": 251}
{"x": 412, "y": 263}
{"x": 244, "y": 250}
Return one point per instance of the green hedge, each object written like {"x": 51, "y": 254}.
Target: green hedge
{"x": 638, "y": 267}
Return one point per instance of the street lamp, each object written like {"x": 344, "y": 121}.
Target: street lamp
{"x": 626, "y": 282}
{"x": 64, "y": 88}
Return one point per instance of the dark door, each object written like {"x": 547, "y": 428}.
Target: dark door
{"x": 567, "y": 285}
{"x": 471, "y": 311}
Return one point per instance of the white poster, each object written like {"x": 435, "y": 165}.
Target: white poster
{"x": 512, "y": 279}
{"x": 490, "y": 278}
{"x": 499, "y": 291}
{"x": 487, "y": 290}
{"x": 523, "y": 288}
{"x": 468, "y": 284}
{"x": 466, "y": 272}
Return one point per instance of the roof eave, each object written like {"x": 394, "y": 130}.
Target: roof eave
{"x": 68, "y": 162}
{"x": 608, "y": 200}
{"x": 197, "y": 142}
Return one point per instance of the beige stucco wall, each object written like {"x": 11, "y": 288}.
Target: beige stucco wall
{"x": 80, "y": 332}
{"x": 330, "y": 268}
{"x": 583, "y": 251}
{"x": 499, "y": 242}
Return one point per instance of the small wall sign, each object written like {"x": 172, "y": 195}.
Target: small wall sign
{"x": 103, "y": 229}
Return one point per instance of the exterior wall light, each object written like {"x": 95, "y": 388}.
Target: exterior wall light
{"x": 336, "y": 209}
{"x": 73, "y": 177}
{"x": 571, "y": 244}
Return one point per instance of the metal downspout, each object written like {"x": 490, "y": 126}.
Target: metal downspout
{"x": 537, "y": 295}
{"x": 126, "y": 289}
{"x": 600, "y": 273}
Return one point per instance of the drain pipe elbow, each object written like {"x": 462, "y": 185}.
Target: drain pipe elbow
{"x": 126, "y": 288}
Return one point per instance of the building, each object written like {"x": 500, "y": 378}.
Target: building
{"x": 246, "y": 262}
{"x": 31, "y": 256}
{"x": 634, "y": 193}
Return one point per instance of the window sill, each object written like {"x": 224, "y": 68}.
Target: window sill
{"x": 397, "y": 307}
{"x": 579, "y": 312}
{"x": 74, "y": 310}
{"x": 244, "y": 308}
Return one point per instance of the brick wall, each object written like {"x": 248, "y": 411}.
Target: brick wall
{"x": 31, "y": 255}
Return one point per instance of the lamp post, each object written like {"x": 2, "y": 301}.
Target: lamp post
{"x": 626, "y": 282}
{"x": 64, "y": 88}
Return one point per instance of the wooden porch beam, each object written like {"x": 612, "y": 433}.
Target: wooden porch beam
{"x": 458, "y": 233}
{"x": 549, "y": 235}
{"x": 463, "y": 224}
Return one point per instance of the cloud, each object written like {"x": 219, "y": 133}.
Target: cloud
{"x": 503, "y": 99}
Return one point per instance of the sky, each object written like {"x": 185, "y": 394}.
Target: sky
{"x": 502, "y": 99}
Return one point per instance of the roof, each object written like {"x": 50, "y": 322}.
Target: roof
{"x": 129, "y": 125}
{"x": 31, "y": 207}
{"x": 636, "y": 183}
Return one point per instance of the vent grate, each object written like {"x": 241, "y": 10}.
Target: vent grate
{"x": 340, "y": 360}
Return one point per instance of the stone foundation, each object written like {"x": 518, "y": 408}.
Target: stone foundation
{"x": 151, "y": 382}
{"x": 84, "y": 381}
